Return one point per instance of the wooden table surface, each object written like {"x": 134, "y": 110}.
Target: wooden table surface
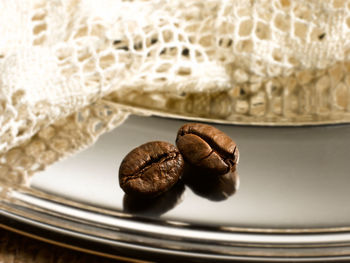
{"x": 15, "y": 248}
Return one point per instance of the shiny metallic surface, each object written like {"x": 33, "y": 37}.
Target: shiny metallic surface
{"x": 288, "y": 199}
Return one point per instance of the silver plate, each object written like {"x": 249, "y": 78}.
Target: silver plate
{"x": 291, "y": 203}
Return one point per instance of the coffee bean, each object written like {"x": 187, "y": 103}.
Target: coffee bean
{"x": 150, "y": 169}
{"x": 207, "y": 147}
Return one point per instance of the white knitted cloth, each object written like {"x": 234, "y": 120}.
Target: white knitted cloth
{"x": 65, "y": 63}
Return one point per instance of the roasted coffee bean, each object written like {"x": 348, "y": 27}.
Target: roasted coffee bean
{"x": 150, "y": 169}
{"x": 207, "y": 147}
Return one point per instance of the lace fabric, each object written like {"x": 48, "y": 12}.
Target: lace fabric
{"x": 66, "y": 65}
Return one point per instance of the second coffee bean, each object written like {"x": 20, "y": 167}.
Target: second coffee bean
{"x": 207, "y": 147}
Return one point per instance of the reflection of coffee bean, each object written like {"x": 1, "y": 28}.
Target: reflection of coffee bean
{"x": 207, "y": 147}
{"x": 156, "y": 206}
{"x": 150, "y": 169}
{"x": 212, "y": 186}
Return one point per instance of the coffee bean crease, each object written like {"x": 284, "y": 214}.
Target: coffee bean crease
{"x": 215, "y": 147}
{"x": 149, "y": 164}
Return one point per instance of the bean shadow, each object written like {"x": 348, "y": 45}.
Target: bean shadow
{"x": 154, "y": 206}
{"x": 211, "y": 186}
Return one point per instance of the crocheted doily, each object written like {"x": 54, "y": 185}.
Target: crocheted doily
{"x": 68, "y": 66}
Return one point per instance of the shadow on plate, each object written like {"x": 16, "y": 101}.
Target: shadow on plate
{"x": 212, "y": 186}
{"x": 155, "y": 206}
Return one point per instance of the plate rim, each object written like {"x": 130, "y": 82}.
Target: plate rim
{"x": 16, "y": 203}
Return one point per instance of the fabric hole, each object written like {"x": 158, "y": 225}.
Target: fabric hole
{"x": 184, "y": 71}
{"x": 245, "y": 46}
{"x": 282, "y": 22}
{"x": 300, "y": 30}
{"x": 107, "y": 61}
{"x": 285, "y": 3}
{"x": 262, "y": 31}
{"x": 205, "y": 41}
{"x": 167, "y": 36}
{"x": 163, "y": 68}
{"x": 245, "y": 27}
{"x": 39, "y": 28}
